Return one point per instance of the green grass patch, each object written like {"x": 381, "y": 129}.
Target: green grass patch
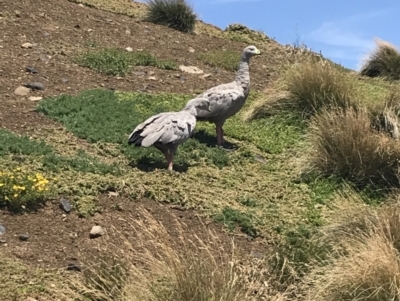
{"x": 11, "y": 143}
{"x": 228, "y": 59}
{"x": 233, "y": 218}
{"x": 113, "y": 61}
{"x": 25, "y": 147}
{"x": 106, "y": 116}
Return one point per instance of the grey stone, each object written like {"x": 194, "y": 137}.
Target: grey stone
{"x": 31, "y": 70}
{"x": 35, "y": 86}
{"x": 65, "y": 205}
{"x": 139, "y": 73}
{"x": 24, "y": 237}
{"x": 73, "y": 267}
{"x": 2, "y": 230}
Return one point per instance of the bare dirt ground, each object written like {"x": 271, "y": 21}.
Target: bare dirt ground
{"x": 57, "y": 239}
{"x": 58, "y": 30}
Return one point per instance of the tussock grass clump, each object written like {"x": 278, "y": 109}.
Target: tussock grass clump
{"x": 168, "y": 266}
{"x": 177, "y": 14}
{"x": 383, "y": 62}
{"x": 317, "y": 85}
{"x": 228, "y": 59}
{"x": 113, "y": 61}
{"x": 368, "y": 266}
{"x": 386, "y": 119}
{"x": 345, "y": 145}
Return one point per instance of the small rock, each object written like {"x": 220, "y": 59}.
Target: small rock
{"x": 17, "y": 13}
{"x": 27, "y": 45}
{"x": 89, "y": 30}
{"x": 96, "y": 231}
{"x": 35, "y": 98}
{"x": 191, "y": 50}
{"x": 191, "y": 69}
{"x": 35, "y": 86}
{"x": 81, "y": 5}
{"x": 128, "y": 32}
{"x": 44, "y": 57}
{"x": 3, "y": 241}
{"x": 73, "y": 267}
{"x": 31, "y": 70}
{"x": 2, "y": 230}
{"x": 151, "y": 73}
{"x": 65, "y": 205}
{"x": 152, "y": 78}
{"x": 23, "y": 237}
{"x": 206, "y": 76}
{"x": 139, "y": 73}
{"x": 22, "y": 91}
{"x": 64, "y": 80}
{"x": 129, "y": 49}
{"x": 139, "y": 49}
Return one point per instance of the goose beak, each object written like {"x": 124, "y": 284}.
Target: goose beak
{"x": 258, "y": 52}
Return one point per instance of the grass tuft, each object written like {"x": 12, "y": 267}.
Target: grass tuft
{"x": 345, "y": 145}
{"x": 113, "y": 61}
{"x": 228, "y": 59}
{"x": 383, "y": 62}
{"x": 317, "y": 85}
{"x": 169, "y": 267}
{"x": 176, "y": 14}
{"x": 367, "y": 266}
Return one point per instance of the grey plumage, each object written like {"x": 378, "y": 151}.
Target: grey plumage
{"x": 227, "y": 99}
{"x": 166, "y": 131}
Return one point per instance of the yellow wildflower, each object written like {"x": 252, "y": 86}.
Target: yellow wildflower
{"x": 15, "y": 195}
{"x": 1, "y": 184}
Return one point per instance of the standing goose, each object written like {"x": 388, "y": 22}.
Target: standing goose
{"x": 227, "y": 99}
{"x": 166, "y": 131}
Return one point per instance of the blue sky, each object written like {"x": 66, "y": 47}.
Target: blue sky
{"x": 343, "y": 30}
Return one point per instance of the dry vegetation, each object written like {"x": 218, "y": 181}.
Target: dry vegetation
{"x": 383, "y": 62}
{"x": 314, "y": 178}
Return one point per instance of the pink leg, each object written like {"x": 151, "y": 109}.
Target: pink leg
{"x": 220, "y": 135}
{"x": 169, "y": 158}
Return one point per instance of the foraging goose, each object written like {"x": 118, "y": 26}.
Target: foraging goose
{"x": 227, "y": 99}
{"x": 166, "y": 131}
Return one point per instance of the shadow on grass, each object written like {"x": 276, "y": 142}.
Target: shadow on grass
{"x": 210, "y": 140}
{"x": 147, "y": 164}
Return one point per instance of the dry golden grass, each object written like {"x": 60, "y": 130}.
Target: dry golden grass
{"x": 368, "y": 266}
{"x": 318, "y": 84}
{"x": 384, "y": 61}
{"x": 161, "y": 266}
{"x": 346, "y": 145}
{"x": 386, "y": 116}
